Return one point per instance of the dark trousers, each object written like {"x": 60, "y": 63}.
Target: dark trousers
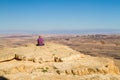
{"x": 40, "y": 44}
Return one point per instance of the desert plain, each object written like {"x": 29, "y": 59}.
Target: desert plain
{"x": 64, "y": 57}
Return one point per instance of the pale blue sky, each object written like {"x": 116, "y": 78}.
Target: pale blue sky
{"x": 40, "y": 15}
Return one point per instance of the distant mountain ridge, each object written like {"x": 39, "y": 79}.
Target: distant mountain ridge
{"x": 84, "y": 31}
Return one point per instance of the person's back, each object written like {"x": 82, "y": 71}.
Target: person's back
{"x": 40, "y": 41}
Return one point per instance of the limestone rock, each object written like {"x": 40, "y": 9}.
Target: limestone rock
{"x": 44, "y": 53}
{"x": 6, "y": 57}
{"x": 54, "y": 62}
{"x": 50, "y": 76}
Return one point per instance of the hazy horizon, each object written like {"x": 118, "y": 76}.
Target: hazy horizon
{"x": 98, "y": 31}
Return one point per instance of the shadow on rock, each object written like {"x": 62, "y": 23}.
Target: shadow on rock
{"x": 3, "y": 78}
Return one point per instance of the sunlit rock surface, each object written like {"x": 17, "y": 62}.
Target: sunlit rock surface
{"x": 54, "y": 62}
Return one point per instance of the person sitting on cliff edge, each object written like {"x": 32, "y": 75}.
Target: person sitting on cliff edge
{"x": 40, "y": 41}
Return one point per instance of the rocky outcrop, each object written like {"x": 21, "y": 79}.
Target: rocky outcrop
{"x": 87, "y": 65}
{"x": 53, "y": 59}
{"x": 49, "y": 76}
{"x": 6, "y": 57}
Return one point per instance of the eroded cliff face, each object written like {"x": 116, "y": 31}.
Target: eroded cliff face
{"x": 54, "y": 62}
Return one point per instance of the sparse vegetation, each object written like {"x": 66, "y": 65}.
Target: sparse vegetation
{"x": 44, "y": 69}
{"x": 54, "y": 67}
{"x": 57, "y": 71}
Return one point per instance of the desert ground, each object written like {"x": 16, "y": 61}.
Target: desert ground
{"x": 94, "y": 45}
{"x": 64, "y": 57}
